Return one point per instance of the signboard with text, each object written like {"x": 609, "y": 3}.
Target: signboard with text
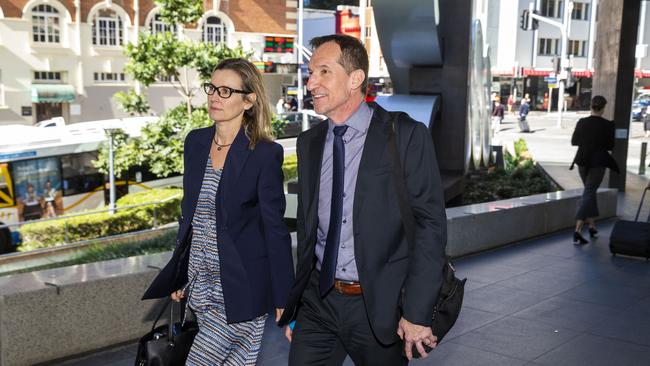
{"x": 278, "y": 44}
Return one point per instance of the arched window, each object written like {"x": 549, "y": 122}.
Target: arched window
{"x": 108, "y": 29}
{"x": 156, "y": 25}
{"x": 214, "y": 31}
{"x": 45, "y": 24}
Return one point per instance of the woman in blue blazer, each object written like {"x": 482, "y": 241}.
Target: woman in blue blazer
{"x": 233, "y": 254}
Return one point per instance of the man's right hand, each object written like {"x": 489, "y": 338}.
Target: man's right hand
{"x": 178, "y": 295}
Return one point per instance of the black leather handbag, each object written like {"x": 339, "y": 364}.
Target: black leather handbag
{"x": 450, "y": 297}
{"x": 167, "y": 345}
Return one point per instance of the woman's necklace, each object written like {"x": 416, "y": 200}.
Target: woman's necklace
{"x": 219, "y": 147}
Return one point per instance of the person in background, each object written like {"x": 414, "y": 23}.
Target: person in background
{"x": 645, "y": 117}
{"x": 497, "y": 115}
{"x": 594, "y": 136}
{"x": 233, "y": 260}
{"x": 511, "y": 102}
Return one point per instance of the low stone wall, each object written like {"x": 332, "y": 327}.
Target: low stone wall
{"x": 479, "y": 227}
{"x": 57, "y": 313}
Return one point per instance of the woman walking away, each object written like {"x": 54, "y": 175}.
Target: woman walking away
{"x": 594, "y": 136}
{"x": 233, "y": 258}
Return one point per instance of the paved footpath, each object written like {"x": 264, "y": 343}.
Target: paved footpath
{"x": 539, "y": 302}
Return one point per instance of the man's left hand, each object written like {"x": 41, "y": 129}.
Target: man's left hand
{"x": 418, "y": 335}
{"x": 278, "y": 314}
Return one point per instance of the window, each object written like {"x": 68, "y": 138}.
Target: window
{"x": 577, "y": 11}
{"x": 107, "y": 29}
{"x": 53, "y": 77}
{"x": 548, "y": 47}
{"x": 45, "y": 24}
{"x": 167, "y": 79}
{"x": 580, "y": 11}
{"x": 214, "y": 31}
{"x": 109, "y": 77}
{"x": 577, "y": 48}
{"x": 548, "y": 8}
{"x": 158, "y": 26}
{"x": 79, "y": 173}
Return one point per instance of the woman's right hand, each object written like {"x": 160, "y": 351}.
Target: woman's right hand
{"x": 178, "y": 295}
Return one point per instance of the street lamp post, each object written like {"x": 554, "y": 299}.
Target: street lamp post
{"x": 111, "y": 170}
{"x": 564, "y": 61}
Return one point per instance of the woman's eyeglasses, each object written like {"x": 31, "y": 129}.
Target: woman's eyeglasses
{"x": 223, "y": 91}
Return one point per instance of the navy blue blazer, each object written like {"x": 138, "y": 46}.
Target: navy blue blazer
{"x": 254, "y": 243}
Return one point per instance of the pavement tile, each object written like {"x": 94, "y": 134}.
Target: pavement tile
{"x": 519, "y": 338}
{"x": 470, "y": 319}
{"x": 500, "y": 299}
{"x": 617, "y": 297}
{"x": 570, "y": 314}
{"x": 633, "y": 328}
{"x": 543, "y": 283}
{"x": 592, "y": 350}
{"x": 452, "y": 354}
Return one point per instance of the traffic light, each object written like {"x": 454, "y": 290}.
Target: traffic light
{"x": 535, "y": 23}
{"x": 523, "y": 20}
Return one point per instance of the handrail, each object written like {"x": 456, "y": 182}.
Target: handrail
{"x": 86, "y": 213}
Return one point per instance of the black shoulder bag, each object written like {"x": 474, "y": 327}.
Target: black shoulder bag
{"x": 450, "y": 298}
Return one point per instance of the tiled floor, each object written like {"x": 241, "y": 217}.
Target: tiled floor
{"x": 541, "y": 302}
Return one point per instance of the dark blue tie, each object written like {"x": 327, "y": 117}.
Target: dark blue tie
{"x": 328, "y": 267}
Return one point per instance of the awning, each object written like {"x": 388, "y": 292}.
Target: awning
{"x": 53, "y": 93}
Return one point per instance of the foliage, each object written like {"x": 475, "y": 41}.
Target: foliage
{"x": 278, "y": 124}
{"x": 120, "y": 248}
{"x": 186, "y": 63}
{"x": 165, "y": 55}
{"x": 132, "y": 102}
{"x": 160, "y": 146}
{"x": 290, "y": 167}
{"x": 520, "y": 177}
{"x": 51, "y": 233}
{"x": 180, "y": 11}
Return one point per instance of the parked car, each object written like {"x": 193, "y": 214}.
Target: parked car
{"x": 294, "y": 122}
{"x": 641, "y": 102}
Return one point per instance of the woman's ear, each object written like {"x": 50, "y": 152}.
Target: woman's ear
{"x": 250, "y": 100}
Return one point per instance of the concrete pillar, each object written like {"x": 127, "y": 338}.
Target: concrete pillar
{"x": 614, "y": 71}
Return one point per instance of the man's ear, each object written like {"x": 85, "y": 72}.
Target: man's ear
{"x": 356, "y": 78}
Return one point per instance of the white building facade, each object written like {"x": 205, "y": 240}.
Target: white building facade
{"x": 66, "y": 58}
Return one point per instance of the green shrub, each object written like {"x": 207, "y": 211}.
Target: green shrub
{"x": 51, "y": 233}
{"x": 290, "y": 167}
{"x": 121, "y": 248}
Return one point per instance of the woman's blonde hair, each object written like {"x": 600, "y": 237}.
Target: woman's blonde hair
{"x": 257, "y": 119}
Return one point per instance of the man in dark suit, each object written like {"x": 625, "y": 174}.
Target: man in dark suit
{"x": 359, "y": 288}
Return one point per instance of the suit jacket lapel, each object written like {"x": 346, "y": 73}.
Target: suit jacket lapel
{"x": 374, "y": 157}
{"x": 316, "y": 145}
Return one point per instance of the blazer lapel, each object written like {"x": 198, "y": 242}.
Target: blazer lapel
{"x": 316, "y": 145}
{"x": 232, "y": 168}
{"x": 374, "y": 157}
{"x": 197, "y": 161}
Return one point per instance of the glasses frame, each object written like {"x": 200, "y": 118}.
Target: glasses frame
{"x": 208, "y": 86}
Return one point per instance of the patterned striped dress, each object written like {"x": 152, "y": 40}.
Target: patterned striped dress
{"x": 217, "y": 343}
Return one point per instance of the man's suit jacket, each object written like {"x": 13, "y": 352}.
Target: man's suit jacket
{"x": 253, "y": 241}
{"x": 385, "y": 266}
